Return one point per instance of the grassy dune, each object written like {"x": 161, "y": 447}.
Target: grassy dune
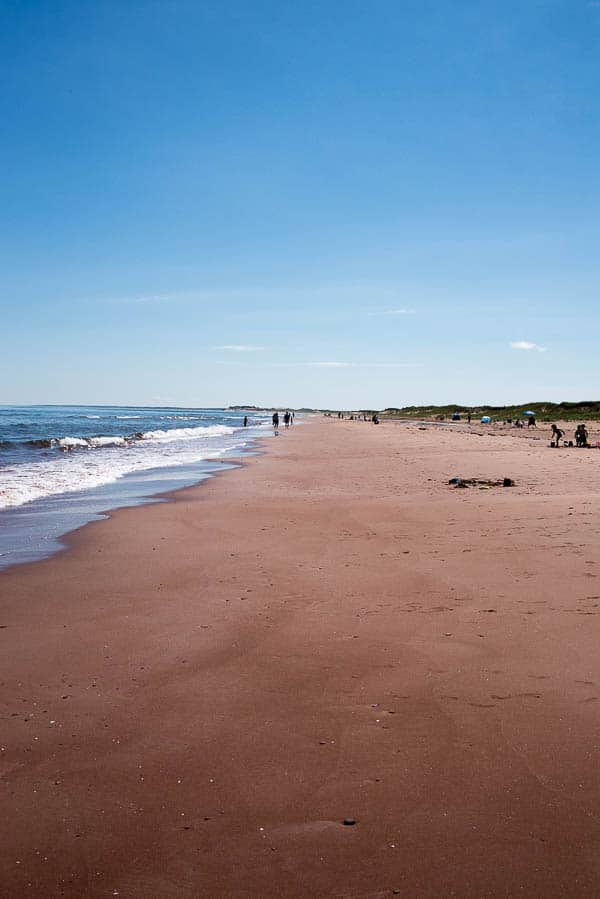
{"x": 586, "y": 410}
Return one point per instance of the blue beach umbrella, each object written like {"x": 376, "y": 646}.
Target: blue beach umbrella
{"x": 486, "y": 420}
{"x": 529, "y": 413}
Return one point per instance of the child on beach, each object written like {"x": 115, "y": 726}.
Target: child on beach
{"x": 556, "y": 435}
{"x": 581, "y": 436}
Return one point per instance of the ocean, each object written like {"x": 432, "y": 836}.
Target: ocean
{"x": 62, "y": 466}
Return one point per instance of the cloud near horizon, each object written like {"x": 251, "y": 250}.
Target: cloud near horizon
{"x": 395, "y": 312}
{"x": 239, "y": 348}
{"x": 363, "y": 364}
{"x": 148, "y": 298}
{"x": 527, "y": 345}
{"x": 324, "y": 364}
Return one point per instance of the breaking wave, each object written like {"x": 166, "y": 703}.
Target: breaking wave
{"x": 81, "y": 463}
{"x": 100, "y": 441}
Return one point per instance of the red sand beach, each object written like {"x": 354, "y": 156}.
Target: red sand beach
{"x": 198, "y": 693}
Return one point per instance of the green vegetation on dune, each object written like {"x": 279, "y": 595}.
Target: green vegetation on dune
{"x": 546, "y": 411}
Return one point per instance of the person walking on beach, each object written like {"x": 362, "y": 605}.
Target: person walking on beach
{"x": 276, "y": 423}
{"x": 286, "y": 418}
{"x": 245, "y": 421}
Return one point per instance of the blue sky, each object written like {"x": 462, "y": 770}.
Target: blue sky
{"x": 342, "y": 204}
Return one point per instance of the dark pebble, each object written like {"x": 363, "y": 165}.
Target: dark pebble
{"x": 349, "y": 821}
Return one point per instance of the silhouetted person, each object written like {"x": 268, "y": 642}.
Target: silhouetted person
{"x": 557, "y": 435}
{"x": 276, "y": 423}
{"x": 245, "y": 421}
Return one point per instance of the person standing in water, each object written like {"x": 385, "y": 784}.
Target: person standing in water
{"x": 245, "y": 421}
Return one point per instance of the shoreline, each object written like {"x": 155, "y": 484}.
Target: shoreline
{"x": 77, "y": 535}
{"x": 58, "y": 528}
{"x": 199, "y": 692}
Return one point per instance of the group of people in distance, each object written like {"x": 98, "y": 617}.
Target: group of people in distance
{"x": 288, "y": 419}
{"x": 356, "y": 416}
{"x": 581, "y": 436}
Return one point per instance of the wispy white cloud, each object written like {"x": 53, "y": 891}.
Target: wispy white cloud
{"x": 149, "y": 298}
{"x": 170, "y": 296}
{"x": 325, "y": 364}
{"x": 394, "y": 364}
{"x": 527, "y": 345}
{"x": 362, "y": 364}
{"x": 329, "y": 364}
{"x": 239, "y": 348}
{"x": 395, "y": 312}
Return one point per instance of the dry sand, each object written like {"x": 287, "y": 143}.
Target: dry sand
{"x": 197, "y": 693}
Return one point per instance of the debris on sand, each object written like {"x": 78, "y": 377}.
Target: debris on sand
{"x": 482, "y": 483}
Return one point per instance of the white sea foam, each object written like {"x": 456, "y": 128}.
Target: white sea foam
{"x": 81, "y": 470}
{"x": 168, "y": 436}
{"x": 108, "y": 441}
{"x": 66, "y": 442}
{"x": 89, "y": 442}
{"x": 194, "y": 433}
{"x": 182, "y": 417}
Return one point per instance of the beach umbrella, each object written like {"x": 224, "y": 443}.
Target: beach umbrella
{"x": 529, "y": 412}
{"x": 486, "y": 420}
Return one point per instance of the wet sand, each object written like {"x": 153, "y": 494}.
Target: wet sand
{"x": 198, "y": 693}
